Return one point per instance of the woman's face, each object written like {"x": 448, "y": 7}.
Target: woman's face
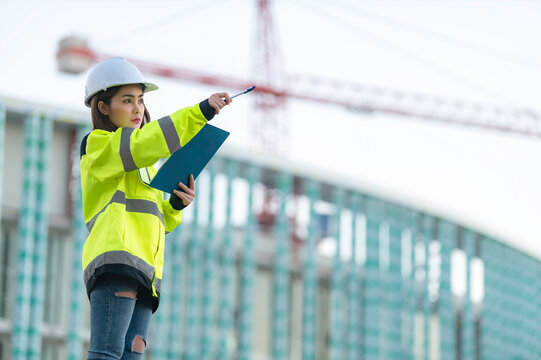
{"x": 127, "y": 107}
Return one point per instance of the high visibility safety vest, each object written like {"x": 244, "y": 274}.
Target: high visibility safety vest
{"x": 127, "y": 219}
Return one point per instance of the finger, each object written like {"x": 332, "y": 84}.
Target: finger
{"x": 220, "y": 102}
{"x": 187, "y": 190}
{"x": 226, "y": 100}
{"x": 179, "y": 193}
{"x": 224, "y": 97}
{"x": 213, "y": 99}
{"x": 218, "y": 105}
{"x": 186, "y": 200}
{"x": 192, "y": 183}
{"x": 183, "y": 187}
{"x": 189, "y": 193}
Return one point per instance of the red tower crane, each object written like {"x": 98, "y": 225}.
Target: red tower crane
{"x": 273, "y": 91}
{"x": 74, "y": 56}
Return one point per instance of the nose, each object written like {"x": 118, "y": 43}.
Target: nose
{"x": 138, "y": 109}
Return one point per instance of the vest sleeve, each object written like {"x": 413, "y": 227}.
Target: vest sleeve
{"x": 171, "y": 217}
{"x": 109, "y": 155}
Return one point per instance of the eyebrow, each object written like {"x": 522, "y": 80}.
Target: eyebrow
{"x": 130, "y": 95}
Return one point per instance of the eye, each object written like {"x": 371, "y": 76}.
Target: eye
{"x": 127, "y": 101}
{"x": 141, "y": 101}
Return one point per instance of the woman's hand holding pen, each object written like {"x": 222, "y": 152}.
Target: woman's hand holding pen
{"x": 219, "y": 100}
{"x": 188, "y": 193}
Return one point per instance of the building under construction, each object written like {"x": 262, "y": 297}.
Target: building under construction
{"x": 272, "y": 260}
{"x": 246, "y": 276}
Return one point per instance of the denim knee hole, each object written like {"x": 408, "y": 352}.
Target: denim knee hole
{"x": 138, "y": 344}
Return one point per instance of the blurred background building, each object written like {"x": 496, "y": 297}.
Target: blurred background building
{"x": 280, "y": 259}
{"x": 272, "y": 262}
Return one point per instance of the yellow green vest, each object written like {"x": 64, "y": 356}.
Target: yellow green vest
{"x": 127, "y": 219}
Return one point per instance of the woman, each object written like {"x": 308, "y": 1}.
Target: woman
{"x": 127, "y": 219}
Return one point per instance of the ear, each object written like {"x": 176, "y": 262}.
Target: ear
{"x": 103, "y": 108}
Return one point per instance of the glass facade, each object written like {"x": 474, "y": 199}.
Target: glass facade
{"x": 269, "y": 263}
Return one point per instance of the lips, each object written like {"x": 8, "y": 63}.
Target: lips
{"x": 136, "y": 120}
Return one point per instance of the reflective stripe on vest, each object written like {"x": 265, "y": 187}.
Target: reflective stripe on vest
{"x": 119, "y": 257}
{"x": 132, "y": 205}
{"x": 169, "y": 133}
{"x": 124, "y": 150}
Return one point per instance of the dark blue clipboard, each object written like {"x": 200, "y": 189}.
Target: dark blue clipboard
{"x": 189, "y": 159}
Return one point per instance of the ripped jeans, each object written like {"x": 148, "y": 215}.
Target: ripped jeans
{"x": 119, "y": 318}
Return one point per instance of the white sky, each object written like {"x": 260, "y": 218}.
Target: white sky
{"x": 477, "y": 50}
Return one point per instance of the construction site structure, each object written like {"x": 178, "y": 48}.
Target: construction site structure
{"x": 75, "y": 56}
{"x": 401, "y": 283}
{"x": 269, "y": 130}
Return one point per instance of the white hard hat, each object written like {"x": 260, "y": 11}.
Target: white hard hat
{"x": 112, "y": 72}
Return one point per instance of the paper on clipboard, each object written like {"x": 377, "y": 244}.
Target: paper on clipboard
{"x": 189, "y": 159}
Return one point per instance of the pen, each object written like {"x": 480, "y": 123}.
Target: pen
{"x": 244, "y": 92}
